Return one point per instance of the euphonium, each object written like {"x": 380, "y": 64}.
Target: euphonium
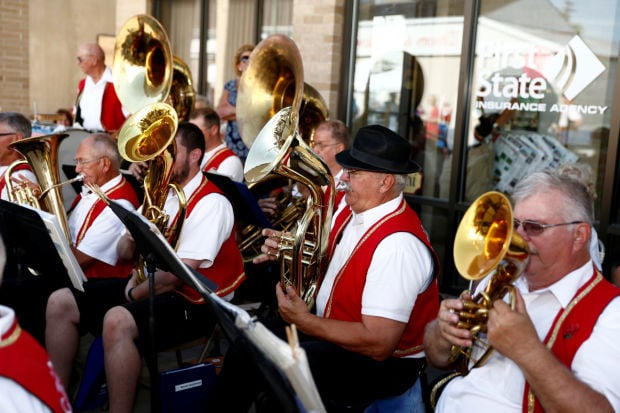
{"x": 486, "y": 241}
{"x": 148, "y": 136}
{"x": 279, "y": 150}
{"x": 143, "y": 71}
{"x": 41, "y": 152}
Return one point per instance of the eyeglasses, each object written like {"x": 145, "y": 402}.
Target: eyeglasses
{"x": 8, "y": 133}
{"x": 534, "y": 228}
{"x": 80, "y": 59}
{"x": 320, "y": 146}
{"x": 350, "y": 172}
{"x": 244, "y": 59}
{"x": 82, "y": 162}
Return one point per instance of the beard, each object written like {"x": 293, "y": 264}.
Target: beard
{"x": 179, "y": 175}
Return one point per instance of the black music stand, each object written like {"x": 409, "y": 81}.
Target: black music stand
{"x": 157, "y": 252}
{"x": 39, "y": 260}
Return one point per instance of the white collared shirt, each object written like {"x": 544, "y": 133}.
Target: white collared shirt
{"x": 101, "y": 237}
{"x": 401, "y": 267}
{"x": 230, "y": 167}
{"x": 498, "y": 386}
{"x": 91, "y": 100}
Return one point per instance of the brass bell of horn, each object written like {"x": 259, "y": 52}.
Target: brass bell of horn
{"x": 142, "y": 67}
{"x": 182, "y": 95}
{"x": 272, "y": 81}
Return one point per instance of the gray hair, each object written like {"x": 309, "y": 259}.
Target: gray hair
{"x": 400, "y": 182}
{"x": 105, "y": 145}
{"x": 17, "y": 122}
{"x": 576, "y": 205}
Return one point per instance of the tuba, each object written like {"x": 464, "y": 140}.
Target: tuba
{"x": 143, "y": 72}
{"x": 41, "y": 152}
{"x": 182, "y": 96}
{"x": 272, "y": 82}
{"x": 485, "y": 242}
{"x": 279, "y": 149}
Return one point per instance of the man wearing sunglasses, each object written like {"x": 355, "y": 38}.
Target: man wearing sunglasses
{"x": 558, "y": 349}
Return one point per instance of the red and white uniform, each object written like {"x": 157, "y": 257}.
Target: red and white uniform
{"x": 97, "y": 107}
{"x": 222, "y": 160}
{"x": 28, "y": 382}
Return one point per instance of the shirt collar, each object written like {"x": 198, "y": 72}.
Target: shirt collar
{"x": 371, "y": 216}
{"x": 105, "y": 187}
{"x": 564, "y": 289}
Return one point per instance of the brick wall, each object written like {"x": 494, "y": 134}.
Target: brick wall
{"x": 14, "y": 69}
{"x": 318, "y": 32}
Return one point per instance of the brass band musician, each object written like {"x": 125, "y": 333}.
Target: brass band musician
{"x": 13, "y": 127}
{"x": 95, "y": 231}
{"x": 364, "y": 342}
{"x": 206, "y": 243}
{"x": 557, "y": 350}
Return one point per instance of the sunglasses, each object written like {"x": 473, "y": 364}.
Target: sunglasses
{"x": 533, "y": 228}
{"x": 244, "y": 59}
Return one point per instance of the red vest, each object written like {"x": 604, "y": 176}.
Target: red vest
{"x": 345, "y": 300}
{"x": 217, "y": 158}
{"x": 20, "y": 167}
{"x": 100, "y": 269}
{"x": 23, "y": 360}
{"x": 112, "y": 116}
{"x": 227, "y": 270}
{"x": 573, "y": 326}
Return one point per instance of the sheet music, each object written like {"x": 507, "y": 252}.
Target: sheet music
{"x": 59, "y": 239}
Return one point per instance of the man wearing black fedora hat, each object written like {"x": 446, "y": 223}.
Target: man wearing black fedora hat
{"x": 364, "y": 338}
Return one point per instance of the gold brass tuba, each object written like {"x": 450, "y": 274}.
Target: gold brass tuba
{"x": 486, "y": 241}
{"x": 143, "y": 73}
{"x": 182, "y": 96}
{"x": 271, "y": 82}
{"x": 280, "y": 149}
{"x": 41, "y": 152}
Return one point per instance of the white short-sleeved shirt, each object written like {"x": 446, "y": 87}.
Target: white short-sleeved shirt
{"x": 498, "y": 386}
{"x": 230, "y": 167}
{"x": 101, "y": 237}
{"x": 401, "y": 267}
{"x": 206, "y": 228}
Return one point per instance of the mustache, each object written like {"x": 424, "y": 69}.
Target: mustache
{"x": 343, "y": 186}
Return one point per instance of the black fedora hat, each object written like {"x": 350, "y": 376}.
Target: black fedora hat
{"x": 379, "y": 149}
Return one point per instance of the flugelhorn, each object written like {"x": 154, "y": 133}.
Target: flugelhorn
{"x": 486, "y": 242}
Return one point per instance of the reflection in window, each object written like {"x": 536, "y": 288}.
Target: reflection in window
{"x": 542, "y": 92}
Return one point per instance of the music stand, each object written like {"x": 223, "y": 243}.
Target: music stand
{"x": 36, "y": 245}
{"x": 156, "y": 249}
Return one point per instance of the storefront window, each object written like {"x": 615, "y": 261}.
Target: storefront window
{"x": 542, "y": 91}
{"x": 406, "y": 77}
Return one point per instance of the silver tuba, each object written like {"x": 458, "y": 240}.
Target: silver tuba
{"x": 280, "y": 149}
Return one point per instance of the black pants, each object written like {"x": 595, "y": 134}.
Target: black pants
{"x": 347, "y": 381}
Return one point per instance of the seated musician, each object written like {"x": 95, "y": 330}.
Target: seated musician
{"x": 95, "y": 231}
{"x": 13, "y": 127}
{"x": 218, "y": 157}
{"x": 28, "y": 382}
{"x": 206, "y": 243}
{"x": 364, "y": 339}
{"x": 558, "y": 349}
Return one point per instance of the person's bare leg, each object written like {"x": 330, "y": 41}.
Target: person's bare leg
{"x": 62, "y": 336}
{"x": 122, "y": 359}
